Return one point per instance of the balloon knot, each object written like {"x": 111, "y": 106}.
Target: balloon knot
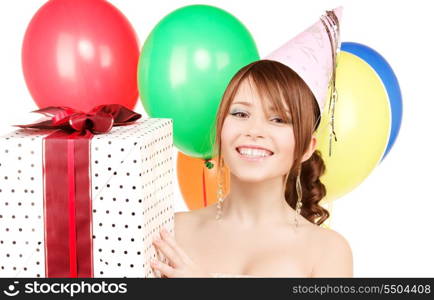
{"x": 209, "y": 164}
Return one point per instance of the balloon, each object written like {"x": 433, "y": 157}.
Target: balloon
{"x": 384, "y": 70}
{"x": 362, "y": 126}
{"x": 184, "y": 68}
{"x": 197, "y": 183}
{"x": 80, "y": 54}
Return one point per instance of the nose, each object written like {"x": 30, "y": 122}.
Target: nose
{"x": 255, "y": 128}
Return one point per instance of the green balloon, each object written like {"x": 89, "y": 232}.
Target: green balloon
{"x": 185, "y": 65}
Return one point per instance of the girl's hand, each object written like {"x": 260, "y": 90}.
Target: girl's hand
{"x": 180, "y": 265}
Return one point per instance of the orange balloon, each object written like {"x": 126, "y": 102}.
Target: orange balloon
{"x": 197, "y": 183}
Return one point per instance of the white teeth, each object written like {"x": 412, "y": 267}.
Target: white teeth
{"x": 254, "y": 152}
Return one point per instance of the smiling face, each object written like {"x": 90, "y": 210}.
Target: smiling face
{"x": 265, "y": 122}
{"x": 257, "y": 142}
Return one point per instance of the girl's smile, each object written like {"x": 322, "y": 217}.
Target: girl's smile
{"x": 253, "y": 152}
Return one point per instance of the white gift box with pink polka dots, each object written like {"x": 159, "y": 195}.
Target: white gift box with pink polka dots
{"x": 132, "y": 198}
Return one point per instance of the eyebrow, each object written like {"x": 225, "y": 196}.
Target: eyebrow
{"x": 249, "y": 104}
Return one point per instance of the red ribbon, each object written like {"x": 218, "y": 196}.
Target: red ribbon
{"x": 67, "y": 183}
{"x": 205, "y": 204}
{"x": 100, "y": 119}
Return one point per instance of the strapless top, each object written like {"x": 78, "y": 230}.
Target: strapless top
{"x": 225, "y": 275}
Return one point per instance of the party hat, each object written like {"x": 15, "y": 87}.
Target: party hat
{"x": 312, "y": 54}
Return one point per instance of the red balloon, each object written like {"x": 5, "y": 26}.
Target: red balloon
{"x": 80, "y": 53}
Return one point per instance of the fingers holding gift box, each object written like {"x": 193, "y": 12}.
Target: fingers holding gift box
{"x": 180, "y": 264}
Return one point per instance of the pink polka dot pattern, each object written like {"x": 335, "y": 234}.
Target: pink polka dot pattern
{"x": 132, "y": 170}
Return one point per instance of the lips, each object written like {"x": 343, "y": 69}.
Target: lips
{"x": 253, "y": 152}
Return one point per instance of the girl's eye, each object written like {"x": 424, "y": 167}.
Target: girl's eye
{"x": 278, "y": 120}
{"x": 239, "y": 114}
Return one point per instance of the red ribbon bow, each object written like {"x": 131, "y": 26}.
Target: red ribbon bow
{"x": 100, "y": 119}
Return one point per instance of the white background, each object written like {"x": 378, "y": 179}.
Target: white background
{"x": 388, "y": 219}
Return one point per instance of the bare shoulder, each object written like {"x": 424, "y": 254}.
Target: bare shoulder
{"x": 330, "y": 236}
{"x": 186, "y": 221}
{"x": 335, "y": 258}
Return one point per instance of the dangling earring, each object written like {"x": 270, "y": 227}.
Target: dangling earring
{"x": 219, "y": 195}
{"x": 219, "y": 201}
{"x": 299, "y": 197}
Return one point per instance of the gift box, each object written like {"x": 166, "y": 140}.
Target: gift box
{"x": 87, "y": 208}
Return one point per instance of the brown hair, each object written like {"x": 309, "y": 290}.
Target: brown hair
{"x": 279, "y": 83}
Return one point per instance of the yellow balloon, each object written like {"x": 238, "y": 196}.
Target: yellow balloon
{"x": 362, "y": 126}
